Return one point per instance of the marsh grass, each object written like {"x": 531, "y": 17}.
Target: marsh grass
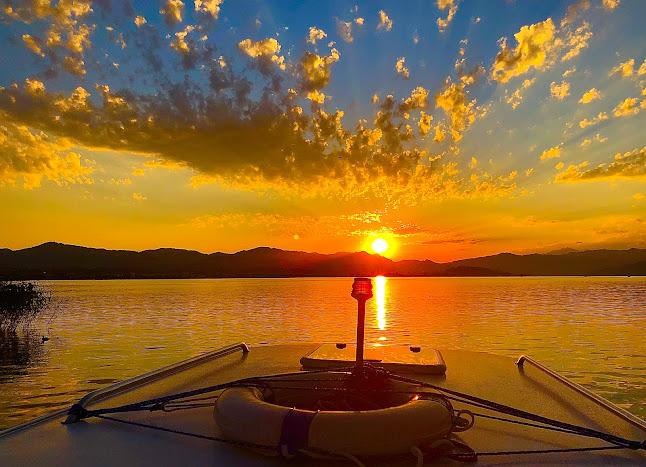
{"x": 21, "y": 303}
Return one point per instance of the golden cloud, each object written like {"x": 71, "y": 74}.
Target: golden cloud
{"x": 401, "y": 69}
{"x": 316, "y": 97}
{"x": 551, "y": 152}
{"x": 261, "y": 48}
{"x": 384, "y": 21}
{"x": 123, "y": 181}
{"x": 33, "y": 44}
{"x": 599, "y": 118}
{"x": 264, "y": 146}
{"x": 424, "y": 123}
{"x": 628, "y": 107}
{"x": 33, "y": 155}
{"x": 591, "y": 95}
{"x": 163, "y": 164}
{"x": 490, "y": 186}
{"x": 574, "y": 10}
{"x": 210, "y": 7}
{"x": 78, "y": 39}
{"x": 642, "y": 69}
{"x": 66, "y": 11}
{"x": 460, "y": 111}
{"x": 344, "y": 30}
{"x": 596, "y": 138}
{"x": 265, "y": 51}
{"x": 440, "y": 133}
{"x": 469, "y": 77}
{"x": 172, "y": 12}
{"x": 74, "y": 66}
{"x": 110, "y": 100}
{"x": 610, "y": 4}
{"x": 625, "y": 69}
{"x": 569, "y": 72}
{"x": 315, "y": 35}
{"x": 575, "y": 41}
{"x": 76, "y": 104}
{"x": 140, "y": 21}
{"x": 65, "y": 29}
{"x": 350, "y": 225}
{"x": 538, "y": 47}
{"x": 452, "y": 6}
{"x": 179, "y": 44}
{"x": 253, "y": 134}
{"x": 560, "y": 91}
{"x": 34, "y": 87}
{"x": 315, "y": 70}
{"x": 630, "y": 165}
{"x": 516, "y": 98}
{"x": 534, "y": 43}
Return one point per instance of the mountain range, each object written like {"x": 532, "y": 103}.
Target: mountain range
{"x": 59, "y": 261}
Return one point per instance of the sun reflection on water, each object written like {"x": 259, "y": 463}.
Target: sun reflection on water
{"x": 380, "y": 293}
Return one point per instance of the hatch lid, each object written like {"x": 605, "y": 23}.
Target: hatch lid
{"x": 398, "y": 359}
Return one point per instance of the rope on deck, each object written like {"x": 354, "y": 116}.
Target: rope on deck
{"x": 187, "y": 400}
{"x": 466, "y": 457}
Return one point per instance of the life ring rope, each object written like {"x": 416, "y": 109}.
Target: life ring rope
{"x": 244, "y": 414}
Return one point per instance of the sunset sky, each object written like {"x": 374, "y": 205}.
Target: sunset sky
{"x": 449, "y": 128}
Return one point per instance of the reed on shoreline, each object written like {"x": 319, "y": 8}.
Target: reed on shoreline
{"x": 21, "y": 302}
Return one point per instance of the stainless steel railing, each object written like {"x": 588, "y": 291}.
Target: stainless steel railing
{"x": 621, "y": 413}
{"x": 132, "y": 383}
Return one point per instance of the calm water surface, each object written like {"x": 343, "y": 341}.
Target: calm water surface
{"x": 590, "y": 329}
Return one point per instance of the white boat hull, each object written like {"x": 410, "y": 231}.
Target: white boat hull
{"x": 102, "y": 442}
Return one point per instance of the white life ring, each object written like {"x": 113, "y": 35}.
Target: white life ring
{"x": 243, "y": 415}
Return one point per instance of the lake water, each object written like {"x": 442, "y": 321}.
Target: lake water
{"x": 589, "y": 329}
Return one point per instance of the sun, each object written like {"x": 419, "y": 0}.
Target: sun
{"x": 379, "y": 245}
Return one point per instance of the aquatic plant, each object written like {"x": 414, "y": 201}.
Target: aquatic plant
{"x": 21, "y": 303}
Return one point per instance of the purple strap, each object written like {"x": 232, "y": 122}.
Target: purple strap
{"x": 296, "y": 429}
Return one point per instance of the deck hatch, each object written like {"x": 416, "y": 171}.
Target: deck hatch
{"x": 404, "y": 359}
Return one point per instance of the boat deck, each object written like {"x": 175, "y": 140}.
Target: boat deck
{"x": 103, "y": 442}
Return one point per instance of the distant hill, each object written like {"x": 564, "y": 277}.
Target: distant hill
{"x": 578, "y": 263}
{"x": 562, "y": 251}
{"x": 58, "y": 261}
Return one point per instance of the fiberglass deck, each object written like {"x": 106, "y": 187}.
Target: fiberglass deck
{"x": 101, "y": 442}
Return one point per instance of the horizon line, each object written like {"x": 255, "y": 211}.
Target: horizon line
{"x": 325, "y": 254}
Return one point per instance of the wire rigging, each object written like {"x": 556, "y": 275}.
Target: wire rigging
{"x": 188, "y": 400}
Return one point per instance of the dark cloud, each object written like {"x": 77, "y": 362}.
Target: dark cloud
{"x": 234, "y": 126}
{"x": 128, "y": 9}
{"x": 106, "y": 5}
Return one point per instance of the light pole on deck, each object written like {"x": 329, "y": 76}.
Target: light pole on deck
{"x": 361, "y": 291}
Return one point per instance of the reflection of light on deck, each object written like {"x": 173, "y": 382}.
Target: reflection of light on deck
{"x": 380, "y": 281}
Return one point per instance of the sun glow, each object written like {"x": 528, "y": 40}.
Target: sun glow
{"x": 379, "y": 245}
